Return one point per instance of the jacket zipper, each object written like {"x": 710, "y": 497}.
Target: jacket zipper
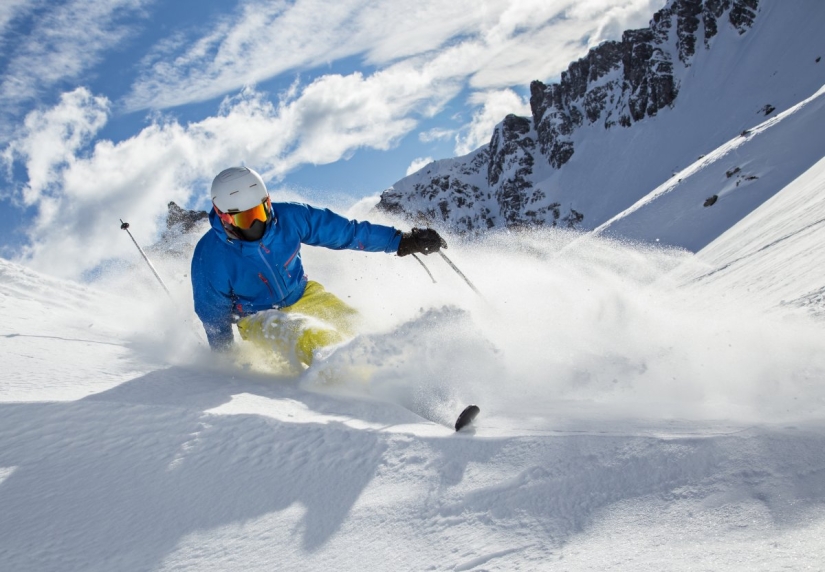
{"x": 294, "y": 254}
{"x": 274, "y": 275}
{"x": 265, "y": 281}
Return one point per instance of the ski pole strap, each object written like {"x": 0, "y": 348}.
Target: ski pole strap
{"x": 460, "y": 273}
{"x": 421, "y": 262}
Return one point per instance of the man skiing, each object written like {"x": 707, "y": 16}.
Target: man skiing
{"x": 247, "y": 268}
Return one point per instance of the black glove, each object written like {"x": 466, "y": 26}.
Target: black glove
{"x": 423, "y": 240}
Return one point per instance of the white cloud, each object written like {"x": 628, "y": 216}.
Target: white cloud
{"x": 65, "y": 41}
{"x": 510, "y": 42}
{"x": 436, "y": 134}
{"x": 81, "y": 193}
{"x": 336, "y": 115}
{"x": 418, "y": 164}
{"x": 11, "y": 9}
{"x": 425, "y": 54}
{"x": 265, "y": 39}
{"x": 51, "y": 139}
{"x": 495, "y": 106}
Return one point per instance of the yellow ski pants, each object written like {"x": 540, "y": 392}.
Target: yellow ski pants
{"x": 317, "y": 320}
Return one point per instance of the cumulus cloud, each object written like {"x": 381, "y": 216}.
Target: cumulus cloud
{"x": 50, "y": 139}
{"x": 81, "y": 190}
{"x": 77, "y": 221}
{"x": 494, "y": 106}
{"x": 418, "y": 164}
{"x": 336, "y": 115}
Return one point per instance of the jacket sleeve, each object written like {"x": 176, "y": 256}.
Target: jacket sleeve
{"x": 322, "y": 227}
{"x": 213, "y": 307}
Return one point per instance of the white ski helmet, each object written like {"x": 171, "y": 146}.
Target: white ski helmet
{"x": 242, "y": 203}
{"x": 237, "y": 189}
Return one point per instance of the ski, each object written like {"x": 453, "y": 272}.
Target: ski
{"x": 470, "y": 412}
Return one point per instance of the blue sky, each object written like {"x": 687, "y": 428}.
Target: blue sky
{"x": 112, "y": 108}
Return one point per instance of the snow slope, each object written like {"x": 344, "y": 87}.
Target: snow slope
{"x": 627, "y": 423}
{"x": 742, "y": 174}
{"x": 774, "y": 257}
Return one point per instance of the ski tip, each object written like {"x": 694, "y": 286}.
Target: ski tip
{"x": 470, "y": 412}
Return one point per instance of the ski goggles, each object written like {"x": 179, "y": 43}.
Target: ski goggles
{"x": 245, "y": 219}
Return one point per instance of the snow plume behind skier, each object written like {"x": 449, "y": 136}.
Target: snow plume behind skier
{"x": 594, "y": 332}
{"x": 247, "y": 269}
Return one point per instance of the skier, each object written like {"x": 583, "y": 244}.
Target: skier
{"x": 247, "y": 268}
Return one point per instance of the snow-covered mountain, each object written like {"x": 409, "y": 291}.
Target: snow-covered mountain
{"x": 629, "y": 116}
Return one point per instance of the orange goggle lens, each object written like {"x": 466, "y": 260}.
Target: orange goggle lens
{"x": 245, "y": 219}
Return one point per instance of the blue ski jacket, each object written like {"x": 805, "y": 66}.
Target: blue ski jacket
{"x": 234, "y": 278}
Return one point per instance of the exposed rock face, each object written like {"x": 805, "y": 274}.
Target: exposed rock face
{"x": 510, "y": 166}
{"x": 615, "y": 85}
{"x": 183, "y": 229}
{"x": 632, "y": 79}
{"x": 451, "y": 191}
{"x": 185, "y": 218}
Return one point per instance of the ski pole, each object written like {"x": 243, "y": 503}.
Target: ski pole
{"x": 192, "y": 330}
{"x": 125, "y": 226}
{"x": 460, "y": 273}
{"x": 421, "y": 262}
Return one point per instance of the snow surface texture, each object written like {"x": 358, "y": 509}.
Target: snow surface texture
{"x": 642, "y": 409}
{"x": 700, "y": 203}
